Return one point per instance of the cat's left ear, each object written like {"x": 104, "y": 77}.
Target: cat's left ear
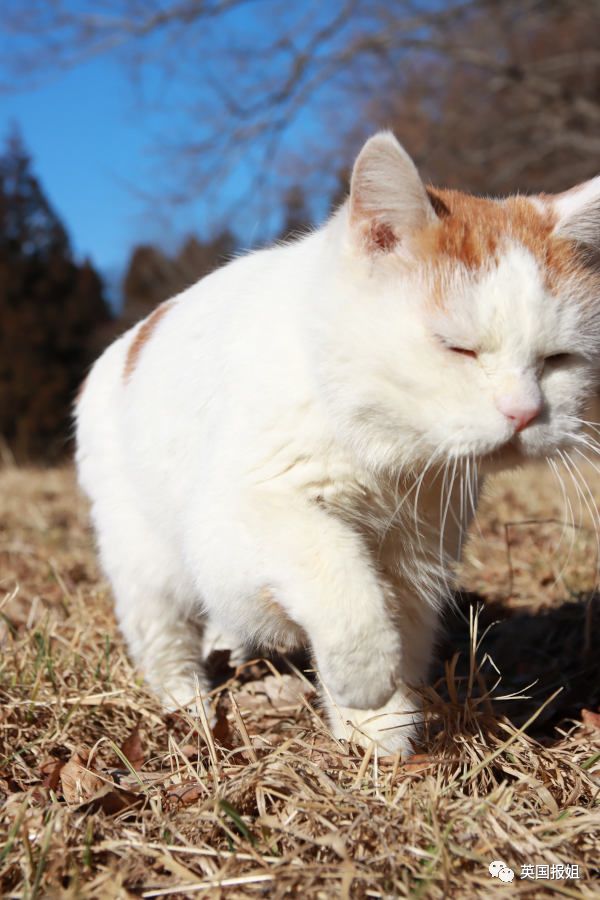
{"x": 388, "y": 200}
{"x": 578, "y": 213}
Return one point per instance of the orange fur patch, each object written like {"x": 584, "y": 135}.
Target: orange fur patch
{"x": 473, "y": 232}
{"x": 142, "y": 336}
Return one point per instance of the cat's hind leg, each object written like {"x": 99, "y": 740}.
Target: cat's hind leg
{"x": 166, "y": 646}
{"x": 155, "y": 612}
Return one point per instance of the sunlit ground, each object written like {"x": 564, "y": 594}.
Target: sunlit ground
{"x": 106, "y": 795}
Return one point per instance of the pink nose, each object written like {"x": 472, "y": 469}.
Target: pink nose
{"x": 519, "y": 414}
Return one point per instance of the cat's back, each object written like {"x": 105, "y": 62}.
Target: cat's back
{"x": 204, "y": 373}
{"x": 225, "y": 346}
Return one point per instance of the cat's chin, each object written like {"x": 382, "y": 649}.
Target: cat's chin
{"x": 508, "y": 456}
{"x": 511, "y": 455}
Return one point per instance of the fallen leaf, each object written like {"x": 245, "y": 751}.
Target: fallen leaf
{"x": 285, "y": 690}
{"x": 114, "y": 801}
{"x": 222, "y": 731}
{"x": 139, "y": 781}
{"x": 419, "y": 762}
{"x": 186, "y": 792}
{"x": 132, "y": 749}
{"x": 323, "y": 757}
{"x": 84, "y": 786}
{"x": 79, "y": 783}
{"x": 50, "y": 770}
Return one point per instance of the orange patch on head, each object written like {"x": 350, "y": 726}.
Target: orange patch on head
{"x": 142, "y": 336}
{"x": 472, "y": 232}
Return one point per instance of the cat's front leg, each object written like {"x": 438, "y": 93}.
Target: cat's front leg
{"x": 361, "y": 662}
{"x": 391, "y": 719}
{"x": 392, "y": 727}
{"x": 318, "y": 571}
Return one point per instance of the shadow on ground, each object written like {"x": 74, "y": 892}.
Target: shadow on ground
{"x": 535, "y": 652}
{"x": 527, "y": 656}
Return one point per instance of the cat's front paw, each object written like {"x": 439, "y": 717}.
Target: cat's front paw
{"x": 392, "y": 727}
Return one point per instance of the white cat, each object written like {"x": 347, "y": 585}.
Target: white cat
{"x": 288, "y": 449}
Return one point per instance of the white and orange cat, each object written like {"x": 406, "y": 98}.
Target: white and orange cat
{"x": 286, "y": 452}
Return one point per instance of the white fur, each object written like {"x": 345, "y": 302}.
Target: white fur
{"x": 579, "y": 212}
{"x": 261, "y": 466}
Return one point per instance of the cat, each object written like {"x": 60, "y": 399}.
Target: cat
{"x": 287, "y": 452}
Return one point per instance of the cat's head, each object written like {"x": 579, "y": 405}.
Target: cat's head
{"x": 460, "y": 326}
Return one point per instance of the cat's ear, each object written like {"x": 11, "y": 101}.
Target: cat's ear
{"x": 388, "y": 200}
{"x": 578, "y": 213}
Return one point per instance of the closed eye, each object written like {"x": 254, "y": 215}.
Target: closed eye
{"x": 465, "y": 351}
{"x": 559, "y": 359}
{"x": 456, "y": 348}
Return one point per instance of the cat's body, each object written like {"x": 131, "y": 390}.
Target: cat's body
{"x": 254, "y": 449}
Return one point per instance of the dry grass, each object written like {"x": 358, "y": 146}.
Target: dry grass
{"x": 105, "y": 795}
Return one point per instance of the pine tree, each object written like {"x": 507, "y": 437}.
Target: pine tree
{"x": 49, "y": 308}
{"x": 152, "y": 276}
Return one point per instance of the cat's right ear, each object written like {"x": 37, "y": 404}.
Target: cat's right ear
{"x": 388, "y": 200}
{"x": 578, "y": 213}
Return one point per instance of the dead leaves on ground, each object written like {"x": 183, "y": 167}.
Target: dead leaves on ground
{"x": 132, "y": 749}
{"x": 85, "y": 782}
{"x": 114, "y": 779}
{"x": 92, "y": 780}
{"x": 117, "y": 779}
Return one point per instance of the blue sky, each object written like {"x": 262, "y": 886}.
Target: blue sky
{"x": 94, "y": 144}
{"x": 89, "y": 151}
{"x": 92, "y": 148}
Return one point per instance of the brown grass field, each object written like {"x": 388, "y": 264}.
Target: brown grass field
{"x": 104, "y": 794}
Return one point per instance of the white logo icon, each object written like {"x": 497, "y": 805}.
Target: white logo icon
{"x": 499, "y": 869}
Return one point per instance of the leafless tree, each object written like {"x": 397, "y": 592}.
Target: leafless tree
{"x": 517, "y": 101}
{"x": 506, "y": 88}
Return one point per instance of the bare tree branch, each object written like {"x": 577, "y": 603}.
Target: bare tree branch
{"x": 484, "y": 82}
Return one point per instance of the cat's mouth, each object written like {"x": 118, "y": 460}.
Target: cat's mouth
{"x": 519, "y": 449}
{"x": 513, "y": 452}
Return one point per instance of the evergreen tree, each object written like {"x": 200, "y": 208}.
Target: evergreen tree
{"x": 49, "y": 308}
{"x": 152, "y": 276}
